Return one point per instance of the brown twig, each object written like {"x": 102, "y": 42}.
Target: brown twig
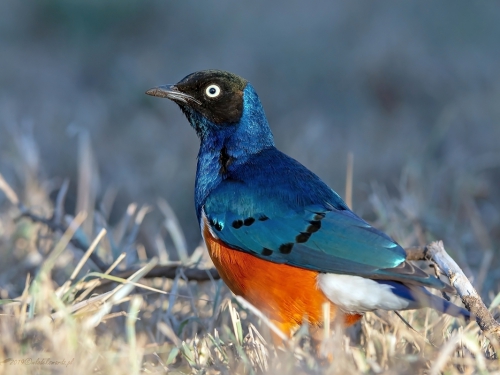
{"x": 170, "y": 271}
{"x": 470, "y": 298}
{"x": 466, "y": 291}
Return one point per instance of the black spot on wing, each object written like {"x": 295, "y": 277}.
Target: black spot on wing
{"x": 319, "y": 215}
{"x": 286, "y": 248}
{"x": 314, "y": 226}
{"x": 263, "y": 218}
{"x": 249, "y": 221}
{"x": 237, "y": 224}
{"x": 216, "y": 224}
{"x": 302, "y": 237}
{"x": 266, "y": 251}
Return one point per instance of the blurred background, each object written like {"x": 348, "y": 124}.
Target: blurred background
{"x": 411, "y": 89}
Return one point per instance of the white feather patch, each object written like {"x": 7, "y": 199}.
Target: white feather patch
{"x": 355, "y": 294}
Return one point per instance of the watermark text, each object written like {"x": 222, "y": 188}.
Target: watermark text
{"x": 37, "y": 362}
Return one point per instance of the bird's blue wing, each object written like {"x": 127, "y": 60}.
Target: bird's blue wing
{"x": 318, "y": 237}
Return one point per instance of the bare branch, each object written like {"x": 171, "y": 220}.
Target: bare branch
{"x": 466, "y": 291}
{"x": 170, "y": 271}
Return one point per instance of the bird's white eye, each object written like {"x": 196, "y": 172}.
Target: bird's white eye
{"x": 212, "y": 91}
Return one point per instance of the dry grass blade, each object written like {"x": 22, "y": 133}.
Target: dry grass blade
{"x": 87, "y": 254}
{"x": 130, "y": 248}
{"x": 247, "y": 305}
{"x": 172, "y": 225}
{"x": 90, "y": 304}
{"x": 135, "y": 354}
{"x": 445, "y": 354}
{"x": 9, "y": 193}
{"x": 235, "y": 319}
{"x": 167, "y": 330}
{"x": 24, "y": 303}
{"x": 89, "y": 287}
{"x": 61, "y": 197}
{"x": 118, "y": 293}
{"x": 64, "y": 288}
{"x": 86, "y": 192}
{"x": 128, "y": 281}
{"x": 62, "y": 244}
{"x": 121, "y": 228}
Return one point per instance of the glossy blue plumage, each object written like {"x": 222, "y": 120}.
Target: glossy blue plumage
{"x": 241, "y": 142}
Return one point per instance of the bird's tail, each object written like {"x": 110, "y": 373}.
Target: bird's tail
{"x": 426, "y": 299}
{"x": 444, "y": 306}
{"x": 418, "y": 296}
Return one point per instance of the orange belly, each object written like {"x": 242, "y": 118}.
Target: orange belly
{"x": 286, "y": 294}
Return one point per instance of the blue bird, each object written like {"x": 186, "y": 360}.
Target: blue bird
{"x": 277, "y": 234}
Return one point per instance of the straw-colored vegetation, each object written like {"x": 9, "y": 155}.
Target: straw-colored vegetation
{"x": 57, "y": 318}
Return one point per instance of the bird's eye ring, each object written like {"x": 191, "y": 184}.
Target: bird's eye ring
{"x": 212, "y": 91}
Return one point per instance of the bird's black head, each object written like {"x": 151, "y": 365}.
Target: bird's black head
{"x": 214, "y": 94}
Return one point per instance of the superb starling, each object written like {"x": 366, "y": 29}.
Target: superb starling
{"x": 277, "y": 234}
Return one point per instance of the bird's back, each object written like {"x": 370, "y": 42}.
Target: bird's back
{"x": 272, "y": 182}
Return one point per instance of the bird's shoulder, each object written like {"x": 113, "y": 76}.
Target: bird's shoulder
{"x": 270, "y": 181}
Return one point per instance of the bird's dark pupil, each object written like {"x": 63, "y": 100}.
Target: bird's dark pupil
{"x": 212, "y": 90}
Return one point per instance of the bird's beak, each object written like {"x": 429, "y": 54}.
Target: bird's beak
{"x": 171, "y": 92}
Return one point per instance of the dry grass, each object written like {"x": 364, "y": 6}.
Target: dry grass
{"x": 54, "y": 321}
